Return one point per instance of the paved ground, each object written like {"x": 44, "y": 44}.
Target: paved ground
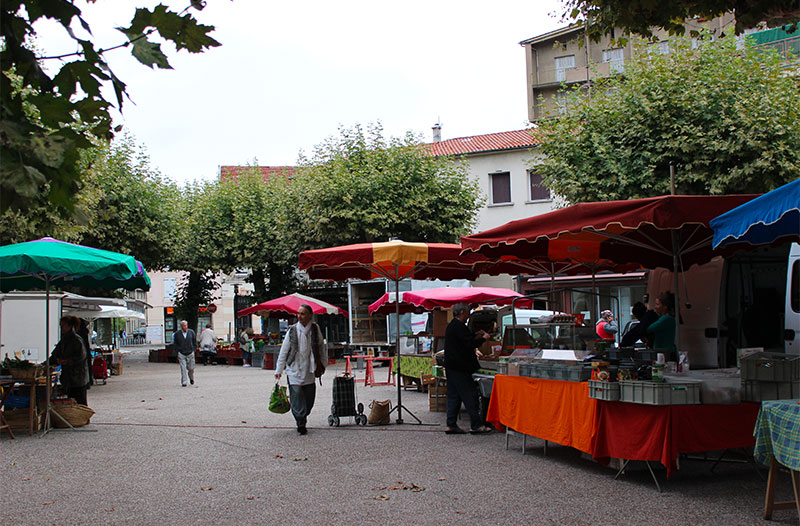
{"x": 162, "y": 454}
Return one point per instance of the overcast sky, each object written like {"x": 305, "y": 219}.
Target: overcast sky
{"x": 288, "y": 74}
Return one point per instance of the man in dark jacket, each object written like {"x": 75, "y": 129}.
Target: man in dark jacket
{"x": 185, "y": 343}
{"x": 460, "y": 361}
{"x": 70, "y": 353}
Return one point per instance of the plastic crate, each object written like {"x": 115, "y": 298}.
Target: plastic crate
{"x": 502, "y": 367}
{"x": 659, "y": 393}
{"x": 576, "y": 373}
{"x": 527, "y": 369}
{"x": 756, "y": 391}
{"x": 771, "y": 367}
{"x": 604, "y": 390}
{"x": 257, "y": 360}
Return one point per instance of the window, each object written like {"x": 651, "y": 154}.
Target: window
{"x": 615, "y": 59}
{"x": 170, "y": 288}
{"x": 538, "y": 192}
{"x": 662, "y": 48}
{"x": 562, "y": 103}
{"x": 501, "y": 187}
{"x": 562, "y": 64}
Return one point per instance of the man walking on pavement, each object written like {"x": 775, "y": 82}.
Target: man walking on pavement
{"x": 302, "y": 356}
{"x": 185, "y": 343}
{"x": 460, "y": 361}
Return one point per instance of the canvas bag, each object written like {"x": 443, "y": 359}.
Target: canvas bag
{"x": 279, "y": 399}
{"x": 379, "y": 412}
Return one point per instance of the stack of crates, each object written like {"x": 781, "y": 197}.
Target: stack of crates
{"x": 770, "y": 376}
{"x": 437, "y": 395}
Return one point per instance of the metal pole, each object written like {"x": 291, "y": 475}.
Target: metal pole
{"x": 675, "y": 248}
{"x": 46, "y": 354}
{"x": 397, "y": 346}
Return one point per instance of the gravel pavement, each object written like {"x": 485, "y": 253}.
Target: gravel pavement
{"x": 212, "y": 453}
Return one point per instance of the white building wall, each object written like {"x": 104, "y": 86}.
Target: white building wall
{"x": 516, "y": 163}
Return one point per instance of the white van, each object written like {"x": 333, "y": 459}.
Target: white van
{"x": 751, "y": 299}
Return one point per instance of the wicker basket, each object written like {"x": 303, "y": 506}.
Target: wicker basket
{"x": 76, "y": 414}
{"x": 26, "y": 374}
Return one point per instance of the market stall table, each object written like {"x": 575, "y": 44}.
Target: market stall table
{"x": 661, "y": 432}
{"x": 553, "y": 410}
{"x": 777, "y": 433}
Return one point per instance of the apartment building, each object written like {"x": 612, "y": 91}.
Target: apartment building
{"x": 567, "y": 57}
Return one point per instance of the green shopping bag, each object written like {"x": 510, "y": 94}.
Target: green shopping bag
{"x": 279, "y": 399}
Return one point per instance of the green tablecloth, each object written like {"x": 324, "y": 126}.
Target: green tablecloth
{"x": 415, "y": 365}
{"x": 777, "y": 433}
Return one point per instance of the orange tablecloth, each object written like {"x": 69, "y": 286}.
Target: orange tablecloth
{"x": 552, "y": 410}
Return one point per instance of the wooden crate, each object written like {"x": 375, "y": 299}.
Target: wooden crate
{"x": 437, "y": 396}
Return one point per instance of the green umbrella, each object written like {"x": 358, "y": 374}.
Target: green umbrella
{"x": 46, "y": 262}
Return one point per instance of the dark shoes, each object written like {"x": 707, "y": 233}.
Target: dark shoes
{"x": 191, "y": 381}
{"x": 454, "y": 431}
{"x": 183, "y": 385}
{"x": 302, "y": 430}
{"x": 481, "y": 430}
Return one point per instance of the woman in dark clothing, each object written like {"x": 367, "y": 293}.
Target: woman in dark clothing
{"x": 70, "y": 353}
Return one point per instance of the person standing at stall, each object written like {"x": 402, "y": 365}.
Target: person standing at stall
{"x": 246, "y": 345}
{"x": 301, "y": 356}
{"x": 70, "y": 354}
{"x": 208, "y": 345}
{"x": 460, "y": 361}
{"x": 607, "y": 327}
{"x": 663, "y": 329}
{"x": 185, "y": 343}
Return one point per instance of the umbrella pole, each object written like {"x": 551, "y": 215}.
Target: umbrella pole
{"x": 676, "y": 284}
{"x": 399, "y": 405}
{"x": 47, "y": 355}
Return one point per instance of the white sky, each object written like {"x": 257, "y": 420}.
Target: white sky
{"x": 289, "y": 73}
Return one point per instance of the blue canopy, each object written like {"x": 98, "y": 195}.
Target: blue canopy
{"x": 764, "y": 220}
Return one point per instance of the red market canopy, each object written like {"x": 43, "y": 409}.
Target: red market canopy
{"x": 288, "y": 305}
{"x": 649, "y": 232}
{"x": 444, "y": 297}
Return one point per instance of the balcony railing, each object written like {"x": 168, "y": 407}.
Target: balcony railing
{"x": 788, "y": 48}
{"x": 545, "y": 76}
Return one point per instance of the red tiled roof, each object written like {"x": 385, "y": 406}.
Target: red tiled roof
{"x": 267, "y": 172}
{"x": 491, "y": 142}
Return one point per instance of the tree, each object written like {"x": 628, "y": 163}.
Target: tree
{"x": 122, "y": 205}
{"x": 728, "y": 119}
{"x": 360, "y": 187}
{"x": 639, "y": 17}
{"x": 47, "y": 118}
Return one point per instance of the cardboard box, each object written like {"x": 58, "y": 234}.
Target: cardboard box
{"x": 440, "y": 320}
{"x": 491, "y": 347}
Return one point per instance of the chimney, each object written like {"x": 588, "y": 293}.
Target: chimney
{"x": 437, "y": 133}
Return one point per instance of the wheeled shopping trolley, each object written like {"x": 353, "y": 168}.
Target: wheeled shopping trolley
{"x": 344, "y": 401}
{"x": 99, "y": 370}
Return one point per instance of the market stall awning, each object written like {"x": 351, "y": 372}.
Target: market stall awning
{"x": 649, "y": 232}
{"x": 107, "y": 311}
{"x": 771, "y": 218}
{"x": 445, "y": 297}
{"x": 288, "y": 305}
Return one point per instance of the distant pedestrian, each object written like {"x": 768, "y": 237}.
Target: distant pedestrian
{"x": 302, "y": 355}
{"x": 185, "y": 343}
{"x": 460, "y": 361}
{"x": 246, "y": 345}
{"x": 208, "y": 345}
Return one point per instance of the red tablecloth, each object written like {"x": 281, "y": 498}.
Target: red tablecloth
{"x": 660, "y": 433}
{"x": 552, "y": 410}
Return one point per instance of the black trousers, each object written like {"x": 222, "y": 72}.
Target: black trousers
{"x": 301, "y": 398}
{"x": 461, "y": 387}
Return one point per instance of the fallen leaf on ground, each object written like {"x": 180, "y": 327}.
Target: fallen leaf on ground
{"x": 278, "y": 456}
{"x": 460, "y": 512}
{"x": 206, "y": 488}
{"x": 150, "y": 408}
{"x": 250, "y": 497}
{"x": 442, "y": 478}
{"x": 47, "y": 502}
{"x": 415, "y": 488}
{"x": 109, "y": 509}
{"x": 160, "y": 398}
{"x": 244, "y": 421}
{"x": 382, "y": 497}
{"x": 25, "y": 478}
{"x": 300, "y": 459}
{"x": 142, "y": 401}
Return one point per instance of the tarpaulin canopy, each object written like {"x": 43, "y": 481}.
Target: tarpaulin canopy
{"x": 107, "y": 311}
{"x": 771, "y": 218}
{"x": 649, "y": 232}
{"x": 288, "y": 305}
{"x": 445, "y": 297}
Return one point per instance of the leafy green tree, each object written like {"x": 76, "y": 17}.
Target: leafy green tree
{"x": 47, "y": 118}
{"x": 361, "y": 187}
{"x": 728, "y": 119}
{"x": 639, "y": 17}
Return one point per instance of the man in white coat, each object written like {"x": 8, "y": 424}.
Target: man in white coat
{"x": 301, "y": 356}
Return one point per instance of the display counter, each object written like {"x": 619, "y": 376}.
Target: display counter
{"x": 416, "y": 369}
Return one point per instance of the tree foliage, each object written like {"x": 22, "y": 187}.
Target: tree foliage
{"x": 360, "y": 187}
{"x": 639, "y": 17}
{"x": 728, "y": 119}
{"x": 47, "y": 118}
